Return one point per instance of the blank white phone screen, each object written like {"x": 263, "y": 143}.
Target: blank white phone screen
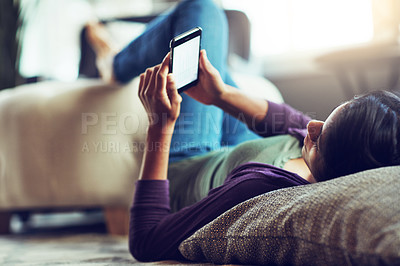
{"x": 186, "y": 61}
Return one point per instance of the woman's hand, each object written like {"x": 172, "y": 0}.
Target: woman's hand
{"x": 210, "y": 87}
{"x": 159, "y": 96}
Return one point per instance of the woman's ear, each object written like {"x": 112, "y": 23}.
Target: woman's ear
{"x": 314, "y": 129}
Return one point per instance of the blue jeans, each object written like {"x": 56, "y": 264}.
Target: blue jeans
{"x": 199, "y": 128}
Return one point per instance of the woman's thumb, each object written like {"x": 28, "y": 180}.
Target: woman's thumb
{"x": 206, "y": 65}
{"x": 204, "y": 62}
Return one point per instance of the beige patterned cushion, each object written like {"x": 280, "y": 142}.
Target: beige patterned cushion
{"x": 349, "y": 220}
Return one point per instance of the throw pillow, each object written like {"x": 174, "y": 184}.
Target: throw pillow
{"x": 353, "y": 219}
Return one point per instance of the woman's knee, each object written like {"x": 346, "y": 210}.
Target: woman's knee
{"x": 200, "y": 5}
{"x": 204, "y": 13}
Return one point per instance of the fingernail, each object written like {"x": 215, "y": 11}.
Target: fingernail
{"x": 166, "y": 56}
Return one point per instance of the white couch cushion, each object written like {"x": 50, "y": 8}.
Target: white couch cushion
{"x": 70, "y": 144}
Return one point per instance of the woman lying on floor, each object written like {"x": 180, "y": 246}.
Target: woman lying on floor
{"x": 190, "y": 174}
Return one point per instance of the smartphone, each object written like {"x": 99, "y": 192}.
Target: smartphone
{"x": 184, "y": 60}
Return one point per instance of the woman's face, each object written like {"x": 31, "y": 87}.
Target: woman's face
{"x": 311, "y": 151}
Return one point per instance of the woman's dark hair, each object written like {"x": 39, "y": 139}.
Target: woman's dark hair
{"x": 364, "y": 134}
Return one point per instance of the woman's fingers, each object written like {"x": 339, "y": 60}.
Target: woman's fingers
{"x": 174, "y": 97}
{"x": 152, "y": 82}
{"x": 148, "y": 73}
{"x": 147, "y": 77}
{"x": 141, "y": 85}
{"x": 158, "y": 93}
{"x": 161, "y": 81}
{"x": 172, "y": 91}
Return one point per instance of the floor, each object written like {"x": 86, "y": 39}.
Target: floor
{"x": 65, "y": 239}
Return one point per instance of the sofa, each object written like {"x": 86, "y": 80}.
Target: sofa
{"x": 54, "y": 157}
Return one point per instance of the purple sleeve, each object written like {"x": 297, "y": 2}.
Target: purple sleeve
{"x": 282, "y": 119}
{"x": 155, "y": 233}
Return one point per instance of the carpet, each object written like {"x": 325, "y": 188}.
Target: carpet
{"x": 66, "y": 239}
{"x": 82, "y": 249}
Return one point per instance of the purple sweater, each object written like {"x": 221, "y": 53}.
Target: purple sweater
{"x": 155, "y": 233}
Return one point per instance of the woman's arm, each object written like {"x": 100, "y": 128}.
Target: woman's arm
{"x": 263, "y": 117}
{"x": 244, "y": 107}
{"x": 212, "y": 90}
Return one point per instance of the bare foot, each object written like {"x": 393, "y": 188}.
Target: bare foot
{"x": 104, "y": 47}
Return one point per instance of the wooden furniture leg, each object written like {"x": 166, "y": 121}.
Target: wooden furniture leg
{"x": 5, "y": 218}
{"x": 117, "y": 220}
